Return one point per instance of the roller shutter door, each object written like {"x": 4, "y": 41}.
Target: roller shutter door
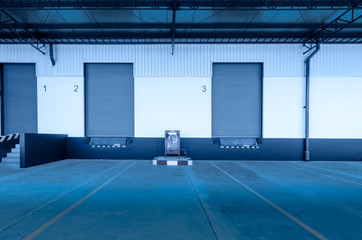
{"x": 20, "y": 98}
{"x": 109, "y": 100}
{"x": 237, "y": 100}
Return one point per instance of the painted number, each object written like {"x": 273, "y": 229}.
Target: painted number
{"x": 203, "y": 88}
{"x": 45, "y": 88}
{"x": 75, "y": 88}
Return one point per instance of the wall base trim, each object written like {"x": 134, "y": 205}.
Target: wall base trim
{"x": 205, "y": 149}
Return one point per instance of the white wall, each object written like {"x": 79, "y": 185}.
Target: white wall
{"x": 172, "y": 103}
{"x": 283, "y": 112}
{"x": 61, "y": 105}
{"x": 336, "y": 107}
{"x": 335, "y": 85}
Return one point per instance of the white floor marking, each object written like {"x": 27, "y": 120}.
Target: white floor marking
{"x": 325, "y": 175}
{"x": 60, "y": 215}
{"x": 290, "y": 216}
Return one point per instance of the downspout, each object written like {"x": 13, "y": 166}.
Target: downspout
{"x": 51, "y": 54}
{"x": 307, "y": 86}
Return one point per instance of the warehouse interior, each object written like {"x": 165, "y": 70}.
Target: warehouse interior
{"x": 180, "y": 119}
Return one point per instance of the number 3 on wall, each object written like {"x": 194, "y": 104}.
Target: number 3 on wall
{"x": 203, "y": 88}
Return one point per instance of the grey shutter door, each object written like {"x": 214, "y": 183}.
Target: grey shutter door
{"x": 236, "y": 100}
{"x": 109, "y": 100}
{"x": 20, "y": 98}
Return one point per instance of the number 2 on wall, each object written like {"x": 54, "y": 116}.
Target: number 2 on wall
{"x": 75, "y": 88}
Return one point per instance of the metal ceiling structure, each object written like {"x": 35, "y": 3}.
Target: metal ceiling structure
{"x": 182, "y": 5}
{"x": 39, "y": 22}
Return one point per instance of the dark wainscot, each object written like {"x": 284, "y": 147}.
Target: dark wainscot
{"x": 205, "y": 149}
{"x": 37, "y": 149}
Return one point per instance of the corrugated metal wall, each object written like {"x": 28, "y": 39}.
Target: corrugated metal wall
{"x": 283, "y": 87}
{"x": 190, "y": 59}
{"x": 338, "y": 61}
{"x": 157, "y": 61}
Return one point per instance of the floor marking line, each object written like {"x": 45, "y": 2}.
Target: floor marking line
{"x": 32, "y": 169}
{"x": 354, "y": 209}
{"x": 60, "y": 215}
{"x": 202, "y": 205}
{"x": 329, "y": 170}
{"x": 281, "y": 210}
{"x": 325, "y": 175}
{"x": 63, "y": 194}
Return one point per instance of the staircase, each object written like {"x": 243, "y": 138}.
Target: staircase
{"x": 13, "y": 156}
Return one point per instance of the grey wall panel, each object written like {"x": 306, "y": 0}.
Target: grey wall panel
{"x": 20, "y": 98}
{"x": 237, "y": 100}
{"x": 109, "y": 99}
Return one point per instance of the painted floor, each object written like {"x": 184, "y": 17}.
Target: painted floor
{"x": 108, "y": 199}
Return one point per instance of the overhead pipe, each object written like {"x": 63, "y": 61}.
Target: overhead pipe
{"x": 307, "y": 95}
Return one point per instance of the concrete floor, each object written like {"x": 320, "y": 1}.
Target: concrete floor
{"x": 108, "y": 199}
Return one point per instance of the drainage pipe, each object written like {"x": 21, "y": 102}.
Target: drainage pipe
{"x": 307, "y": 88}
{"x": 51, "y": 54}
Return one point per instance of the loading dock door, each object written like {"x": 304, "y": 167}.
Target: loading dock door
{"x": 20, "y": 99}
{"x": 236, "y": 100}
{"x": 109, "y": 100}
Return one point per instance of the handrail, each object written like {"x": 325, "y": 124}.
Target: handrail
{"x": 9, "y": 137}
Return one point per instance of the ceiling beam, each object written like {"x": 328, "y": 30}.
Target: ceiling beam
{"x": 182, "y": 4}
{"x": 335, "y": 27}
{"x": 179, "y": 35}
{"x": 11, "y": 27}
{"x": 225, "y": 25}
{"x": 185, "y": 41}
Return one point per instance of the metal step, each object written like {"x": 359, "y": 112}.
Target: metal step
{"x": 10, "y": 160}
{"x": 13, "y": 155}
{"x": 15, "y": 150}
{"x": 17, "y": 146}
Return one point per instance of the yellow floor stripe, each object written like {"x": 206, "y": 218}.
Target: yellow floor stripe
{"x": 60, "y": 215}
{"x": 290, "y": 216}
